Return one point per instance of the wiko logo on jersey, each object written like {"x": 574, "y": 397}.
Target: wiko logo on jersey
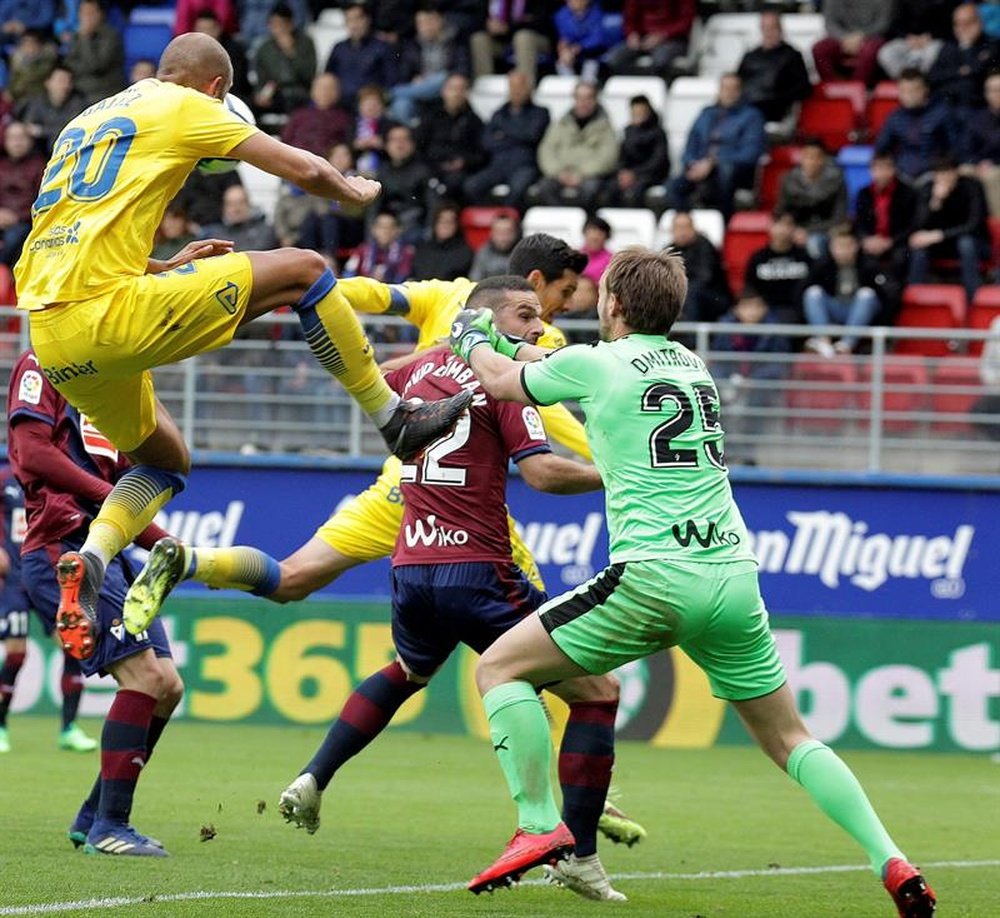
{"x": 704, "y": 533}
{"x": 832, "y": 545}
{"x": 430, "y": 534}
{"x": 94, "y": 442}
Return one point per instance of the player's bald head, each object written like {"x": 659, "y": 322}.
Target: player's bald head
{"x": 196, "y": 60}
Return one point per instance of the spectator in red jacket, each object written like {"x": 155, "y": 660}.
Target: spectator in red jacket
{"x": 658, "y": 31}
{"x": 188, "y": 10}
{"x": 20, "y": 176}
{"x": 323, "y": 123}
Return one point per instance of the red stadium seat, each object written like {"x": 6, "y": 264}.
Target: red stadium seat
{"x": 883, "y": 102}
{"x": 993, "y": 223}
{"x": 930, "y": 306}
{"x": 823, "y": 390}
{"x": 832, "y": 120}
{"x": 747, "y": 231}
{"x": 773, "y": 168}
{"x": 984, "y": 309}
{"x": 853, "y": 90}
{"x": 476, "y": 223}
{"x": 957, "y": 387}
{"x": 905, "y": 386}
{"x": 7, "y": 295}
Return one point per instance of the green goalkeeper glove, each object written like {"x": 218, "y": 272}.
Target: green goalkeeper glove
{"x": 472, "y": 327}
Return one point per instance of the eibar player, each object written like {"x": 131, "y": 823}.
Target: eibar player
{"x": 365, "y": 529}
{"x": 681, "y": 570}
{"x": 15, "y": 611}
{"x": 67, "y": 467}
{"x": 454, "y": 581}
{"x": 102, "y": 313}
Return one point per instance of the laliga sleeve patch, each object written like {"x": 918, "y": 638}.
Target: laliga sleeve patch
{"x": 533, "y": 423}
{"x": 30, "y": 390}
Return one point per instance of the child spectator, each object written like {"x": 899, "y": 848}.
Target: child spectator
{"x": 369, "y": 130}
{"x": 596, "y": 233}
{"x": 383, "y": 256}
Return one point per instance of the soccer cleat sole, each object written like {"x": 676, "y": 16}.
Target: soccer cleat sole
{"x": 425, "y": 422}
{"x": 161, "y": 573}
{"x": 74, "y": 628}
{"x": 621, "y": 830}
{"x": 293, "y": 809}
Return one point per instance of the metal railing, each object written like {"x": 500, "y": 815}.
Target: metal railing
{"x": 874, "y": 410}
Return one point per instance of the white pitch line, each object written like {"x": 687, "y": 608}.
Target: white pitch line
{"x": 49, "y": 908}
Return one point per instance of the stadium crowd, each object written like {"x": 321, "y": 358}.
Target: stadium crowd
{"x": 393, "y": 99}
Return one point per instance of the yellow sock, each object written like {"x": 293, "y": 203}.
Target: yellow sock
{"x": 338, "y": 342}
{"x": 235, "y": 568}
{"x": 130, "y": 507}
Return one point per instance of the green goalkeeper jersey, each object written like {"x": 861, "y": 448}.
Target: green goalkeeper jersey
{"x": 652, "y": 421}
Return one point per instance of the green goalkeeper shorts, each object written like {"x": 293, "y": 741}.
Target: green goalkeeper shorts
{"x": 713, "y": 612}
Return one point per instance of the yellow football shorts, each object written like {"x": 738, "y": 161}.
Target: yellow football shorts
{"x": 98, "y": 352}
{"x": 366, "y": 527}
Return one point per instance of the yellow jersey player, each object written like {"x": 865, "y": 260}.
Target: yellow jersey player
{"x": 102, "y": 313}
{"x": 365, "y": 529}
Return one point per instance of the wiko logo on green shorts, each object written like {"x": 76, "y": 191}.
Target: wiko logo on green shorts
{"x": 704, "y": 533}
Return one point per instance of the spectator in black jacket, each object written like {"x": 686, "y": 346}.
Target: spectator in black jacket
{"x": 845, "y": 288}
{"x": 404, "y": 179}
{"x": 47, "y": 114}
{"x": 445, "y": 255}
{"x": 982, "y": 153}
{"x": 511, "y": 140}
{"x": 919, "y": 130}
{"x": 950, "y": 223}
{"x": 774, "y": 74}
{"x": 450, "y": 138}
{"x": 962, "y": 65}
{"x": 425, "y": 62}
{"x": 815, "y": 194}
{"x": 779, "y": 271}
{"x": 885, "y": 211}
{"x": 643, "y": 158}
{"x": 708, "y": 295}
{"x": 361, "y": 59}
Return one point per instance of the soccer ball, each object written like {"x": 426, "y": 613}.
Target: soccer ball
{"x": 220, "y": 166}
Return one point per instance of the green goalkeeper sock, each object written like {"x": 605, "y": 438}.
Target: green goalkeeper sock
{"x": 522, "y": 743}
{"x": 835, "y": 790}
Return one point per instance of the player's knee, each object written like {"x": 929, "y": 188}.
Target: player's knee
{"x": 307, "y": 265}
{"x": 172, "y": 690}
{"x": 490, "y": 672}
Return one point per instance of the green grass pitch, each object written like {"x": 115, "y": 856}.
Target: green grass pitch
{"x": 430, "y": 811}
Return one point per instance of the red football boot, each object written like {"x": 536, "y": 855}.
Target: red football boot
{"x": 523, "y": 852}
{"x": 909, "y": 890}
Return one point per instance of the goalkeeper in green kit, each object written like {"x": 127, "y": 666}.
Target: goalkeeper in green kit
{"x": 681, "y": 571}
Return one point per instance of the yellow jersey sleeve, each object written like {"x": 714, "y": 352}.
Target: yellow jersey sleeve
{"x": 560, "y": 423}
{"x": 429, "y": 305}
{"x": 207, "y": 128}
{"x": 564, "y": 428}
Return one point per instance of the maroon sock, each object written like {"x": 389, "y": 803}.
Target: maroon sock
{"x": 123, "y": 752}
{"x": 71, "y": 686}
{"x": 586, "y": 756}
{"x": 8, "y": 676}
{"x": 366, "y": 713}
